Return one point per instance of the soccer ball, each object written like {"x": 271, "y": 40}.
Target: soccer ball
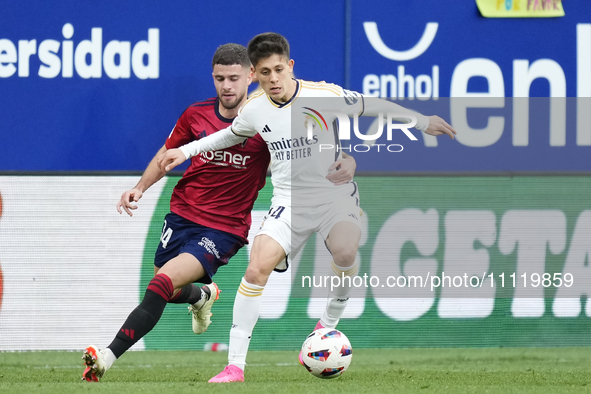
{"x": 326, "y": 353}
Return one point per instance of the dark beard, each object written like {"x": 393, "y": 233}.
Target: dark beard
{"x": 238, "y": 101}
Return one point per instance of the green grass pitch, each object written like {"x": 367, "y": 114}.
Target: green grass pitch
{"x": 508, "y": 370}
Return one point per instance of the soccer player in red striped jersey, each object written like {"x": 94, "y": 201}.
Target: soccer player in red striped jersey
{"x": 210, "y": 210}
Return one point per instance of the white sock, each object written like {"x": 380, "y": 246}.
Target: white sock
{"x": 339, "y": 296}
{"x": 109, "y": 358}
{"x": 247, "y": 307}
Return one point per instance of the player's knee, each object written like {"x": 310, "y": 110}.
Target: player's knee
{"x": 344, "y": 255}
{"x": 256, "y": 276}
{"x": 177, "y": 281}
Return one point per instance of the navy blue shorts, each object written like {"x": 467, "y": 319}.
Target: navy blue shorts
{"x": 213, "y": 248}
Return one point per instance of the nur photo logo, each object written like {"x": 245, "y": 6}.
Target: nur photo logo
{"x": 342, "y": 128}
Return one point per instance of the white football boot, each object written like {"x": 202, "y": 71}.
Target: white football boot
{"x": 201, "y": 310}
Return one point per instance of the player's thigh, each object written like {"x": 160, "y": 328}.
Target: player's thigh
{"x": 342, "y": 230}
{"x": 271, "y": 245}
{"x": 343, "y": 242}
{"x": 265, "y": 255}
{"x": 277, "y": 225}
{"x": 213, "y": 249}
{"x": 183, "y": 269}
{"x": 209, "y": 249}
{"x": 176, "y": 231}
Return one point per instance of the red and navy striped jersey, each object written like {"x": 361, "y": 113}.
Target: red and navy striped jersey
{"x": 219, "y": 188}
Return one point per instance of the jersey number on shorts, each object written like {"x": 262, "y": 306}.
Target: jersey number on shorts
{"x": 166, "y": 234}
{"x": 277, "y": 212}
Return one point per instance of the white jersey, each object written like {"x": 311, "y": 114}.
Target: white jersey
{"x": 298, "y": 164}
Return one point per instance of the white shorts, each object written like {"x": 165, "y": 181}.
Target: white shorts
{"x": 291, "y": 227}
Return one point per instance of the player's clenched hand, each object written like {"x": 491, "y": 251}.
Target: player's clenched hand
{"x": 170, "y": 159}
{"x": 342, "y": 171}
{"x": 438, "y": 126}
{"x": 128, "y": 200}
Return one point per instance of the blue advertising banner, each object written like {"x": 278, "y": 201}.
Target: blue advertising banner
{"x": 447, "y": 49}
{"x": 98, "y": 87}
{"x": 495, "y": 134}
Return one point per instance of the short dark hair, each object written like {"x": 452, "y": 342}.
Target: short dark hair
{"x": 230, "y": 54}
{"x": 265, "y": 45}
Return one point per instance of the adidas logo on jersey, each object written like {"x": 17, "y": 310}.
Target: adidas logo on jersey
{"x": 266, "y": 129}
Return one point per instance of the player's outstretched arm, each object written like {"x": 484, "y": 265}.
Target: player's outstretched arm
{"x": 224, "y": 138}
{"x": 342, "y": 170}
{"x": 151, "y": 175}
{"x": 432, "y": 125}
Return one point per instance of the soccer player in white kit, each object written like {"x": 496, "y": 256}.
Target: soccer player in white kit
{"x": 299, "y": 168}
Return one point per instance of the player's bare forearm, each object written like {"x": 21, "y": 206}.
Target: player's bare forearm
{"x": 432, "y": 125}
{"x": 376, "y": 107}
{"x": 152, "y": 173}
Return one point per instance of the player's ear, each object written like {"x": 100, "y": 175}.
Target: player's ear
{"x": 249, "y": 77}
{"x": 255, "y": 76}
{"x": 290, "y": 64}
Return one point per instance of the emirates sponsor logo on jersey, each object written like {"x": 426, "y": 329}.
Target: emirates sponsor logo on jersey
{"x": 292, "y": 148}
